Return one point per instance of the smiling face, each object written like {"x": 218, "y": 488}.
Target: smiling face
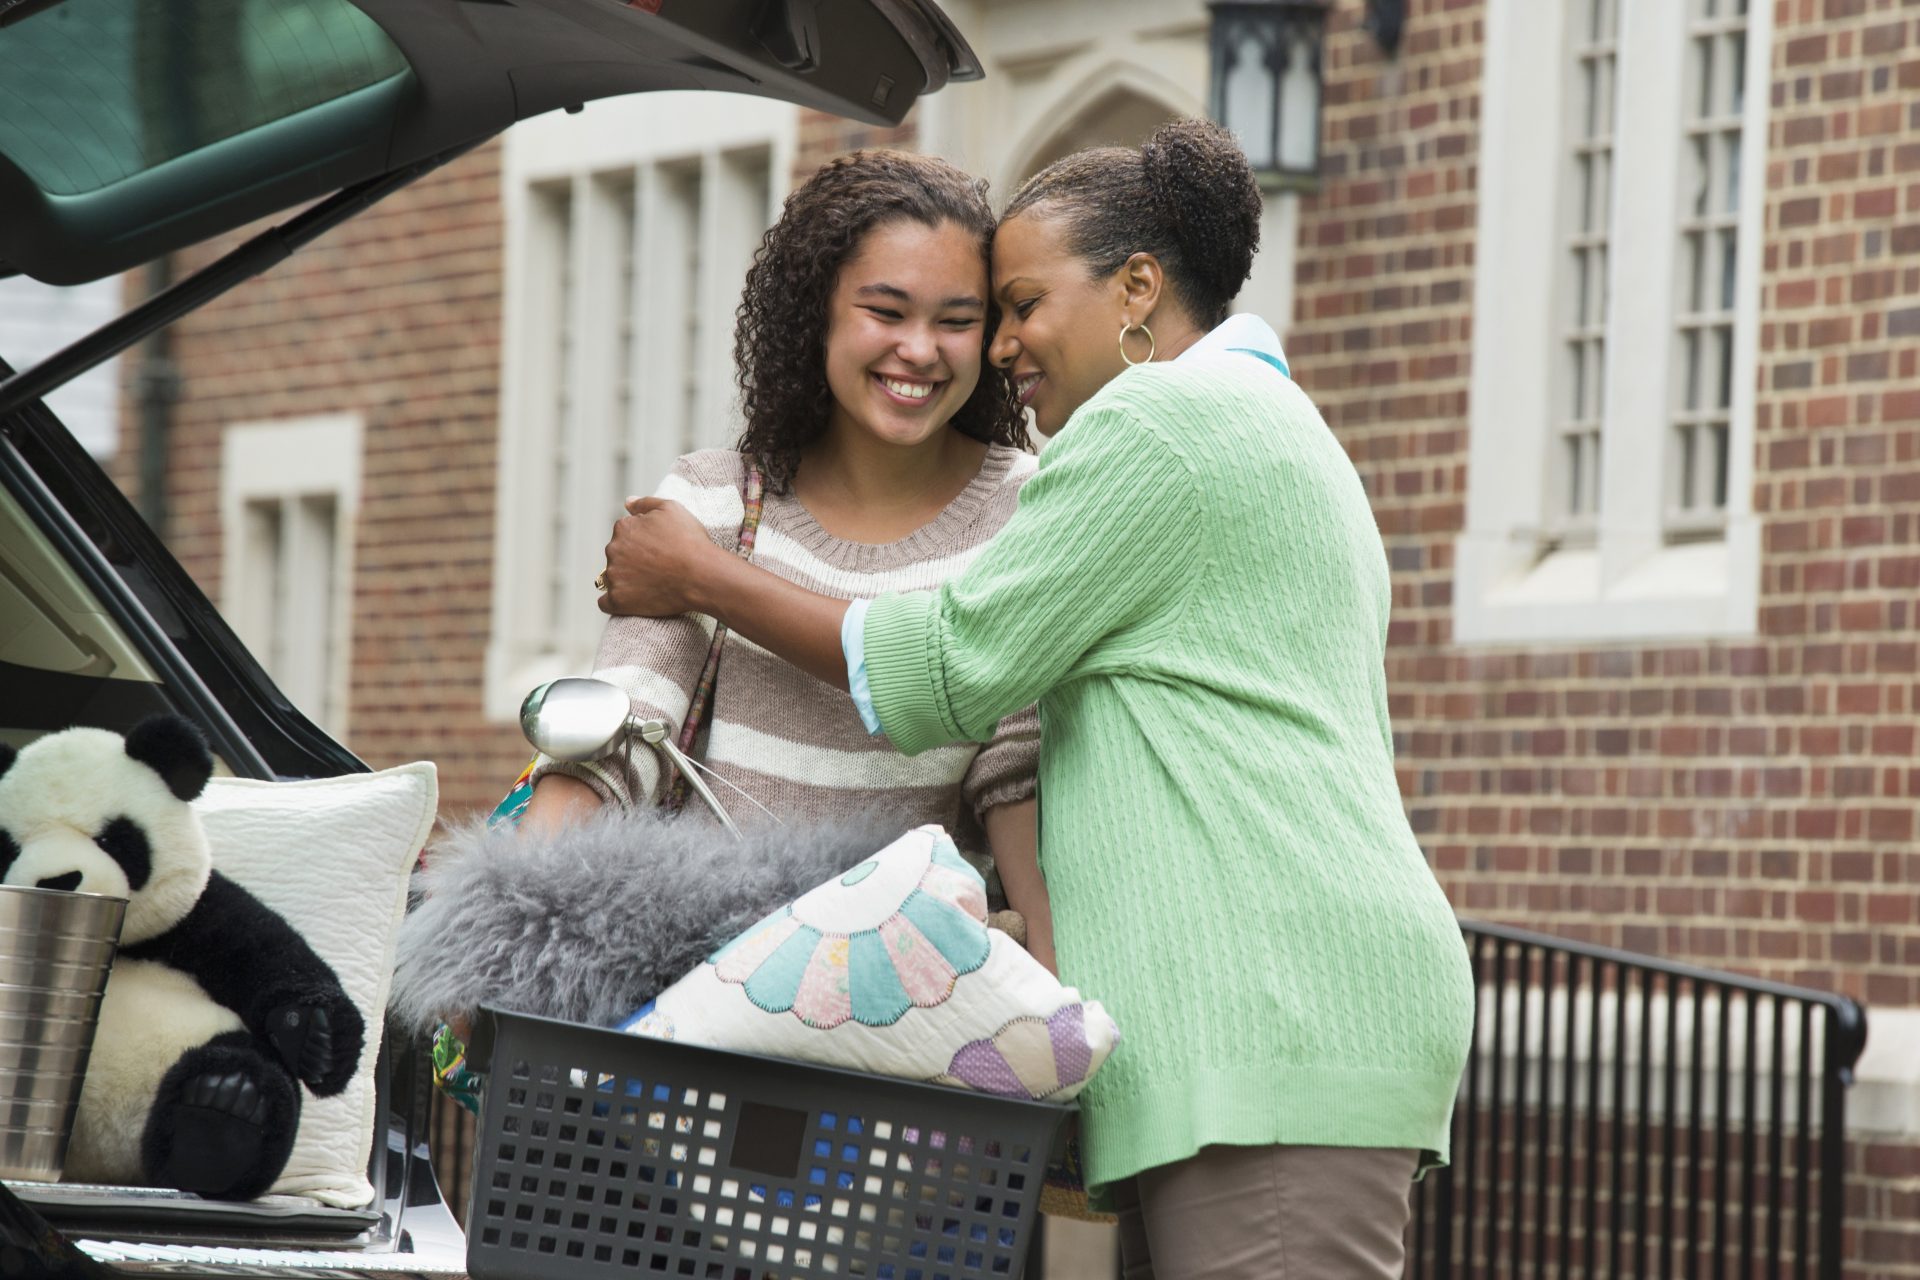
{"x": 904, "y": 331}
{"x": 1058, "y": 324}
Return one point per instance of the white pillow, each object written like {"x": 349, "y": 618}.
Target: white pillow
{"x": 331, "y": 855}
{"x": 890, "y": 968}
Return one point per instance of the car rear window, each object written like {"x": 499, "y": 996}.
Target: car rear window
{"x": 93, "y": 92}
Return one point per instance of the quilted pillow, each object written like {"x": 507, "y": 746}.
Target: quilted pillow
{"x": 890, "y": 968}
{"x": 332, "y": 856}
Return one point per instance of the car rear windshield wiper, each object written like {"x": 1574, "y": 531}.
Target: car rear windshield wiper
{"x": 12, "y": 11}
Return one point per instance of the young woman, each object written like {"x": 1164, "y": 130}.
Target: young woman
{"x": 1195, "y": 591}
{"x": 889, "y": 455}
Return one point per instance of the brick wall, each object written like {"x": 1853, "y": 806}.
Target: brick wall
{"x": 395, "y": 316}
{"x": 1883, "y": 1208}
{"x": 1748, "y": 805}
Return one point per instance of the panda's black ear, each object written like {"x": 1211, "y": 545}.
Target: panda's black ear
{"x": 174, "y": 749}
{"x": 7, "y": 756}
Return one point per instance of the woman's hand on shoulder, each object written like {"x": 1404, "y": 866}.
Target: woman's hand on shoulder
{"x": 655, "y": 561}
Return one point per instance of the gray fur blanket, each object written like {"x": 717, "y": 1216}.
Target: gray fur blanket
{"x": 591, "y": 922}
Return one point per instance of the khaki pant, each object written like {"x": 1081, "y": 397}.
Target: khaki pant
{"x": 1268, "y": 1213}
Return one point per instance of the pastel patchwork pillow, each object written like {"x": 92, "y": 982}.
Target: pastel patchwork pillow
{"x": 891, "y": 969}
{"x": 332, "y": 856}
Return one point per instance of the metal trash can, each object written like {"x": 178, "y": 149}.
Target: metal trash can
{"x": 56, "y": 950}
{"x": 603, "y": 1156}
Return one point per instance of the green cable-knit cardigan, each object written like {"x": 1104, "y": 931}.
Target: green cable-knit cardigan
{"x": 1194, "y": 590}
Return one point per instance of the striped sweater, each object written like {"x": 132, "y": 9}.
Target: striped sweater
{"x": 790, "y": 741}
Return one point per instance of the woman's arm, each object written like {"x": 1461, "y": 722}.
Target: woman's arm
{"x": 1013, "y": 832}
{"x": 661, "y": 562}
{"x": 656, "y": 662}
{"x": 559, "y": 800}
{"x": 1091, "y": 574}
{"x": 1104, "y": 538}
{"x": 1000, "y": 786}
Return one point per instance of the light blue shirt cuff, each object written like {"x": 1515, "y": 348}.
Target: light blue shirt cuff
{"x": 853, "y": 643}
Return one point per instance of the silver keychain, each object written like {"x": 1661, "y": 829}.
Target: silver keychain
{"x": 578, "y": 720}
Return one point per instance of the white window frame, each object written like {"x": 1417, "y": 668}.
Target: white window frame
{"x": 1578, "y": 387}
{"x": 287, "y": 462}
{"x": 1514, "y": 583}
{"x": 676, "y": 350}
{"x": 37, "y": 320}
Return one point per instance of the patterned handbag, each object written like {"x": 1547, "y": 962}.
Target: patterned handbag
{"x": 1063, "y": 1193}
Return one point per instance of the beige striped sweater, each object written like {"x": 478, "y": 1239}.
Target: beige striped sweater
{"x": 792, "y": 742}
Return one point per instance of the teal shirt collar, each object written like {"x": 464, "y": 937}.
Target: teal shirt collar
{"x": 1243, "y": 332}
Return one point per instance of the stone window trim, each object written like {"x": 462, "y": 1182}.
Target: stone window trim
{"x": 628, "y": 234}
{"x": 289, "y": 505}
{"x": 1633, "y": 578}
{"x": 38, "y": 320}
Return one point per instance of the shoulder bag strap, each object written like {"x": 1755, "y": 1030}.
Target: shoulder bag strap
{"x": 754, "y": 493}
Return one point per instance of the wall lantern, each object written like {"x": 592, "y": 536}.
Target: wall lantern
{"x": 1386, "y": 19}
{"x": 1266, "y": 84}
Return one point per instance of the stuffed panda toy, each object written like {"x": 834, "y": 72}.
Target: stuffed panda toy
{"x": 216, "y": 1011}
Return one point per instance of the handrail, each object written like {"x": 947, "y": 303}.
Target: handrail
{"x": 1610, "y": 1105}
{"x": 1851, "y": 1015}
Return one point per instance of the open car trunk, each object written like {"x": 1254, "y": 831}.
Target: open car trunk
{"x": 131, "y": 128}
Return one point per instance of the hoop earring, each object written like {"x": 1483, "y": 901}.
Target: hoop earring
{"x": 1152, "y": 346}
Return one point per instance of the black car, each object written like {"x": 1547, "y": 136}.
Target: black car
{"x": 131, "y": 128}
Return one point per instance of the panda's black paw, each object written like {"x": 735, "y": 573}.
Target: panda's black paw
{"x": 223, "y": 1123}
{"x": 320, "y": 1041}
{"x": 233, "y": 1094}
{"x": 219, "y": 1128}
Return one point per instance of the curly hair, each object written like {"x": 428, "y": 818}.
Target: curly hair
{"x": 779, "y": 334}
{"x": 1186, "y": 195}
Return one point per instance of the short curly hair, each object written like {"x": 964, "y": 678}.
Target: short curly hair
{"x": 779, "y": 334}
{"x": 1186, "y": 195}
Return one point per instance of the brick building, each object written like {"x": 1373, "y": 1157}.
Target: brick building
{"x": 1703, "y": 745}
{"x": 1655, "y": 663}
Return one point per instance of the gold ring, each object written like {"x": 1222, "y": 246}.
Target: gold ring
{"x": 600, "y": 580}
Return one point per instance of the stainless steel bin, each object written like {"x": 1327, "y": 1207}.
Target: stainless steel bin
{"x": 56, "y": 950}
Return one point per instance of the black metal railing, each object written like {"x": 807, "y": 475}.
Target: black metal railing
{"x": 1624, "y": 1116}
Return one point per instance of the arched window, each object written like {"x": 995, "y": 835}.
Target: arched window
{"x": 1119, "y": 117}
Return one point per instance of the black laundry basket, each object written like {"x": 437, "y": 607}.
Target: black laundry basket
{"x": 606, "y": 1154}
